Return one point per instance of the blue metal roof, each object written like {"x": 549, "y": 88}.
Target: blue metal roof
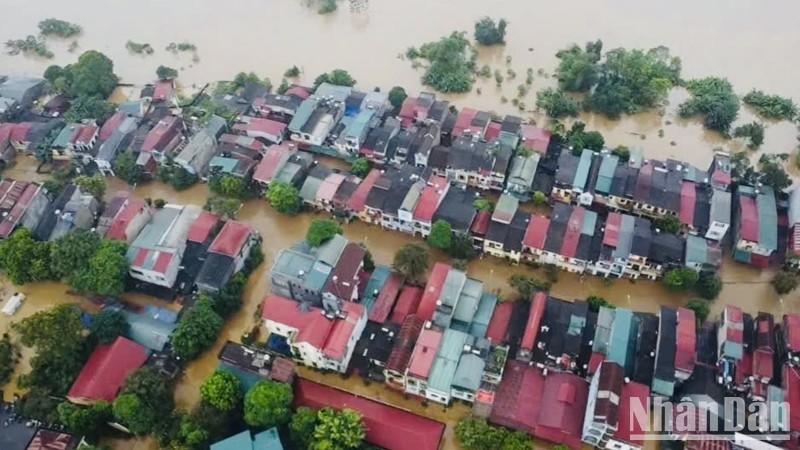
{"x": 582, "y": 173}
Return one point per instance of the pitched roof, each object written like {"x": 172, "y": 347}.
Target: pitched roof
{"x": 429, "y": 201}
{"x": 202, "y": 227}
{"x": 312, "y": 325}
{"x": 107, "y": 369}
{"x": 386, "y": 426}
{"x": 688, "y": 200}
{"x": 749, "y": 218}
{"x": 481, "y": 223}
{"x": 45, "y": 439}
{"x": 231, "y": 238}
{"x": 538, "y": 304}
{"x": 536, "y": 234}
{"x": 498, "y": 326}
{"x": 404, "y": 345}
{"x": 565, "y": 395}
{"x": 433, "y": 289}
{"x": 260, "y": 125}
{"x": 359, "y": 198}
{"x": 535, "y": 138}
{"x": 424, "y": 354}
{"x": 345, "y": 274}
{"x": 686, "y": 342}
{"x": 386, "y": 299}
{"x": 407, "y": 303}
{"x": 120, "y": 225}
{"x": 629, "y": 430}
{"x": 518, "y": 399}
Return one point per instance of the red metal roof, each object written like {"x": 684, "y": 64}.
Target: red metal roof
{"x": 688, "y": 200}
{"x": 463, "y": 121}
{"x": 272, "y": 162}
{"x": 162, "y": 91}
{"x": 644, "y": 182}
{"x": 5, "y": 132}
{"x": 721, "y": 177}
{"x": 298, "y": 91}
{"x": 573, "y": 233}
{"x": 161, "y": 134}
{"x": 595, "y": 360}
{"x": 407, "y": 304}
{"x": 312, "y": 326}
{"x": 162, "y": 262}
{"x": 518, "y": 398}
{"x": 386, "y": 426}
{"x": 359, "y": 198}
{"x": 534, "y": 320}
{"x": 336, "y": 345}
{"x": 20, "y": 132}
{"x": 791, "y": 324}
{"x": 498, "y": 326}
{"x": 12, "y": 219}
{"x": 433, "y": 289}
{"x": 119, "y": 228}
{"x": 791, "y": 390}
{"x": 202, "y": 227}
{"x": 430, "y": 199}
{"x": 565, "y": 395}
{"x": 744, "y": 368}
{"x": 480, "y": 225}
{"x": 329, "y": 186}
{"x": 111, "y": 125}
{"x": 734, "y": 314}
{"x": 231, "y": 238}
{"x": 749, "y": 215}
{"x": 106, "y": 371}
{"x": 611, "y": 236}
{"x": 536, "y": 233}
{"x": 258, "y": 125}
{"x": 45, "y": 439}
{"x": 404, "y": 345}
{"x": 762, "y": 364}
{"x": 344, "y": 276}
{"x": 794, "y": 239}
{"x": 686, "y": 341}
{"x": 407, "y": 111}
{"x": 84, "y": 134}
{"x": 385, "y": 301}
{"x": 493, "y": 131}
{"x": 627, "y": 428}
{"x": 535, "y": 138}
{"x": 424, "y": 353}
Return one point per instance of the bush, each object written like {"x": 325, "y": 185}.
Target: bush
{"x": 708, "y": 286}
{"x": 360, "y": 167}
{"x": 451, "y": 62}
{"x": 489, "y": 33}
{"x": 397, "y": 96}
{"x": 556, "y": 103}
{"x": 596, "y": 302}
{"x": 292, "y": 72}
{"x": 284, "y": 198}
{"x": 327, "y": 6}
{"x": 321, "y": 231}
{"x": 681, "y": 279}
{"x": 714, "y": 99}
{"x": 753, "y": 131}
{"x": 785, "y": 282}
{"x": 336, "y": 77}
{"x": 60, "y": 28}
{"x": 771, "y": 106}
{"x": 140, "y": 49}
{"x": 700, "y": 308}
{"x": 166, "y": 73}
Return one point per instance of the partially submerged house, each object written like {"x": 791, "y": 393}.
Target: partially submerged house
{"x": 196, "y": 155}
{"x": 226, "y": 255}
{"x": 106, "y": 371}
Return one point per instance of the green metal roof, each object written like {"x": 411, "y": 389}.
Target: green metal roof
{"x": 151, "y": 333}
{"x": 302, "y": 114}
{"x": 374, "y": 286}
{"x": 239, "y": 441}
{"x": 288, "y": 172}
{"x": 227, "y": 165}
{"x": 290, "y": 263}
{"x": 505, "y": 208}
{"x": 358, "y": 127}
{"x": 589, "y": 222}
{"x": 468, "y": 301}
{"x": 582, "y": 172}
{"x": 602, "y": 334}
{"x": 662, "y": 387}
{"x": 469, "y": 372}
{"x": 767, "y": 219}
{"x": 696, "y": 250}
{"x": 480, "y": 323}
{"x": 310, "y": 187}
{"x": 606, "y": 175}
{"x": 330, "y": 251}
{"x": 268, "y": 440}
{"x": 620, "y": 337}
{"x": 65, "y": 136}
{"x": 444, "y": 368}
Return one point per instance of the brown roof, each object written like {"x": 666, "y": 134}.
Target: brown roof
{"x": 404, "y": 345}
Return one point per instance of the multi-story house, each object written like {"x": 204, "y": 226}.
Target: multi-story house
{"x": 625, "y": 247}
{"x": 164, "y": 138}
{"x": 322, "y": 338}
{"x": 478, "y": 164}
{"x": 663, "y": 381}
{"x": 226, "y": 255}
{"x": 719, "y": 220}
{"x": 572, "y": 183}
{"x": 429, "y": 201}
{"x": 301, "y": 272}
{"x": 755, "y": 225}
{"x": 75, "y": 138}
{"x": 422, "y": 360}
{"x": 521, "y": 174}
{"x": 396, "y": 366}
{"x": 573, "y": 238}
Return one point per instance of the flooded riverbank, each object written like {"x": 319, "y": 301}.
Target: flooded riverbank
{"x": 742, "y": 40}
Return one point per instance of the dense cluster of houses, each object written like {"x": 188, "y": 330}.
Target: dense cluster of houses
{"x": 556, "y": 369}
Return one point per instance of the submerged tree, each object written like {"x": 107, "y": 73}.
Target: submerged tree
{"x": 487, "y": 32}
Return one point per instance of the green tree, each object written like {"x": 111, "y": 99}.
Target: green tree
{"x": 461, "y": 247}
{"x": 338, "y": 429}
{"x": 441, "y": 236}
{"x": 397, "y": 96}
{"x": 268, "y": 404}
{"x": 84, "y": 421}
{"x": 223, "y": 206}
{"x": 228, "y": 186}
{"x": 556, "y": 103}
{"x": 578, "y": 138}
{"x": 593, "y": 140}
{"x": 23, "y": 259}
{"x": 411, "y": 261}
{"x": 94, "y": 185}
{"x": 58, "y": 27}
{"x": 785, "y": 282}
{"x": 336, "y": 77}
{"x": 106, "y": 271}
{"x": 321, "y": 231}
{"x": 197, "y": 331}
{"x": 713, "y": 98}
{"x": 292, "y": 72}
{"x": 284, "y": 198}
{"x": 772, "y": 173}
{"x": 360, "y": 167}
{"x": 301, "y": 427}
{"x": 670, "y": 224}
{"x": 577, "y": 69}
{"x": 475, "y": 434}
{"x": 9, "y": 357}
{"x": 489, "y": 33}
{"x": 93, "y": 75}
{"x": 539, "y": 198}
{"x": 622, "y": 152}
{"x": 71, "y": 253}
{"x": 166, "y": 73}
{"x": 527, "y": 285}
{"x": 207, "y": 424}
{"x": 680, "y": 279}
{"x": 222, "y": 390}
{"x": 175, "y": 175}
{"x": 451, "y": 62}
{"x": 708, "y": 286}
{"x": 483, "y": 205}
{"x": 700, "y": 307}
{"x": 369, "y": 263}
{"x": 126, "y": 169}
{"x": 146, "y": 400}
{"x": 89, "y": 108}
{"x": 772, "y": 107}
{"x": 596, "y": 302}
{"x": 229, "y": 299}
{"x": 131, "y": 411}
{"x": 753, "y": 131}
{"x": 108, "y": 325}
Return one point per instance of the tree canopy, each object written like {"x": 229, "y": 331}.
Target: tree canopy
{"x": 338, "y": 429}
{"x": 284, "y": 198}
{"x": 451, "y": 62}
{"x": 752, "y": 131}
{"x": 145, "y": 402}
{"x": 227, "y": 185}
{"x": 708, "y": 286}
{"x": 91, "y": 76}
{"x": 9, "y": 357}
{"x": 222, "y": 390}
{"x": 769, "y": 106}
{"x": 106, "y": 271}
{"x": 411, "y": 261}
{"x": 785, "y": 282}
{"x": 595, "y": 302}
{"x": 166, "y": 73}
{"x": 487, "y": 32}
{"x": 397, "y": 95}
{"x": 126, "y": 169}
{"x": 338, "y": 77}
{"x": 556, "y": 103}
{"x": 268, "y": 404}
{"x": 476, "y": 434}
{"x": 579, "y": 139}
{"x": 321, "y": 231}
{"x": 360, "y": 167}
{"x": 441, "y": 236}
{"x": 23, "y": 259}
{"x": 89, "y": 108}
{"x": 223, "y": 206}
{"x": 108, "y": 325}
{"x": 94, "y": 185}
{"x": 527, "y": 285}
{"x": 71, "y": 253}
{"x": 87, "y": 421}
{"x": 680, "y": 279}
{"x": 713, "y": 98}
{"x": 197, "y": 331}
{"x": 577, "y": 69}
{"x": 700, "y": 307}
{"x": 301, "y": 427}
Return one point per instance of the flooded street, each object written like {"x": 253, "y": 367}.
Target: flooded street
{"x": 745, "y": 41}
{"x": 748, "y": 42}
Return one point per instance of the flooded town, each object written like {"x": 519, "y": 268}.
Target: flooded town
{"x": 337, "y": 248}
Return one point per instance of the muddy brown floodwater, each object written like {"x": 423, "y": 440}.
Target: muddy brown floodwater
{"x": 750, "y": 43}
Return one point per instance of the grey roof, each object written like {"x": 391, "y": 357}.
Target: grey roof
{"x": 468, "y": 301}
{"x": 667, "y": 248}
{"x": 147, "y": 331}
{"x": 456, "y": 208}
{"x": 119, "y": 140}
{"x": 523, "y": 169}
{"x": 469, "y": 371}
{"x": 471, "y": 156}
{"x": 289, "y": 102}
{"x": 338, "y": 93}
{"x": 516, "y": 232}
{"x": 166, "y": 231}
{"x": 567, "y": 167}
{"x": 446, "y": 363}
{"x": 505, "y": 209}
{"x": 483, "y": 316}
{"x": 204, "y": 143}
{"x": 642, "y": 237}
{"x": 297, "y": 265}
{"x": 625, "y": 238}
{"x": 721, "y": 206}
{"x": 330, "y": 251}
{"x": 17, "y": 87}
{"x": 448, "y": 298}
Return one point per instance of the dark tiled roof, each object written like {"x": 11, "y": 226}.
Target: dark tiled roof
{"x": 558, "y": 228}
{"x": 567, "y": 167}
{"x": 511, "y": 124}
{"x": 642, "y": 237}
{"x": 665, "y": 359}
{"x": 456, "y": 208}
{"x": 702, "y": 209}
{"x": 438, "y": 157}
{"x": 644, "y": 362}
{"x": 667, "y": 248}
